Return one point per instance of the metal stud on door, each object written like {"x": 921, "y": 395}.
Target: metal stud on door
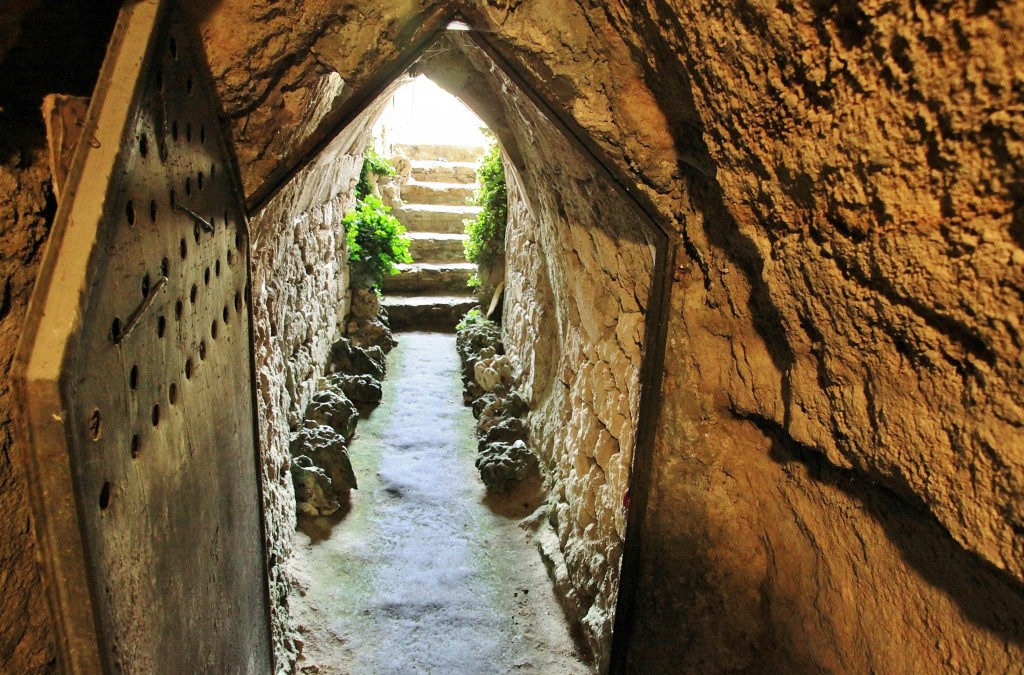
{"x": 136, "y": 379}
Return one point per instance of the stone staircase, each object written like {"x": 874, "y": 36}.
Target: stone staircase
{"x": 431, "y": 293}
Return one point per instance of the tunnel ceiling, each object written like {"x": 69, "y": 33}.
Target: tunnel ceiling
{"x": 284, "y": 110}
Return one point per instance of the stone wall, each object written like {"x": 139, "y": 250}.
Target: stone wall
{"x": 300, "y": 282}
{"x": 300, "y": 293}
{"x": 578, "y": 355}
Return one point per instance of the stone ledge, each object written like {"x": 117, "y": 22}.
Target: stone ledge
{"x": 427, "y": 312}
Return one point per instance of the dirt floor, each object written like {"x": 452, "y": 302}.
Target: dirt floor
{"x": 421, "y": 573}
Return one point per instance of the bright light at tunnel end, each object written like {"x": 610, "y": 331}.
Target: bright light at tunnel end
{"x": 458, "y": 25}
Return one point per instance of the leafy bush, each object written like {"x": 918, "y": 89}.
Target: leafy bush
{"x": 486, "y": 233}
{"x": 472, "y": 318}
{"x": 373, "y": 164}
{"x": 376, "y": 243}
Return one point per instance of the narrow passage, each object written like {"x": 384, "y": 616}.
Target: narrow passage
{"x": 418, "y": 575}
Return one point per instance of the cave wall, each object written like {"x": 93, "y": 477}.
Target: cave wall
{"x": 269, "y": 57}
{"x": 843, "y": 182}
{"x": 26, "y": 211}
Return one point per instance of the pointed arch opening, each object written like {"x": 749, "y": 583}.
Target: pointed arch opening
{"x": 587, "y": 295}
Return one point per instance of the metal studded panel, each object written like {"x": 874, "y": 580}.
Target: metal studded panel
{"x": 144, "y": 332}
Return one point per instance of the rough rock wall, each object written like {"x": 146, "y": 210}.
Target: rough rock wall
{"x": 578, "y": 354}
{"x": 764, "y": 557}
{"x": 869, "y": 165}
{"x": 847, "y": 286}
{"x": 269, "y": 56}
{"x": 844, "y": 180}
{"x": 26, "y": 212}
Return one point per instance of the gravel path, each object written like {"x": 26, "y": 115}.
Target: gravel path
{"x": 421, "y": 574}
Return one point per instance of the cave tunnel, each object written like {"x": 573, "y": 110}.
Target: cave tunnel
{"x": 767, "y": 257}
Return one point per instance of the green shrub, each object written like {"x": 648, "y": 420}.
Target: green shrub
{"x": 373, "y": 164}
{"x": 472, "y": 318}
{"x": 486, "y": 233}
{"x": 376, "y": 243}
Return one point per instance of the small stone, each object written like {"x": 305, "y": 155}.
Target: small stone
{"x": 359, "y": 388}
{"x": 478, "y": 370}
{"x": 351, "y": 359}
{"x": 314, "y": 492}
{"x": 491, "y": 415}
{"x": 503, "y": 365}
{"x": 331, "y": 407}
{"x": 606, "y": 447}
{"x": 365, "y": 304}
{"x": 372, "y": 333}
{"x": 378, "y": 356}
{"x": 471, "y": 392}
{"x": 489, "y": 379}
{"x": 502, "y": 465}
{"x": 506, "y": 431}
{"x": 327, "y": 449}
{"x": 472, "y": 339}
{"x": 515, "y": 405}
{"x": 482, "y": 403}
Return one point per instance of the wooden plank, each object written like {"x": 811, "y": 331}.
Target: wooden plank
{"x": 65, "y": 120}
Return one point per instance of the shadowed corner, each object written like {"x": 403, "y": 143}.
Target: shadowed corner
{"x": 319, "y": 528}
{"x": 525, "y": 498}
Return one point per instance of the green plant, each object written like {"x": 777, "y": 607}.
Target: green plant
{"x": 473, "y": 317}
{"x": 376, "y": 243}
{"x": 487, "y": 231}
{"x": 373, "y": 164}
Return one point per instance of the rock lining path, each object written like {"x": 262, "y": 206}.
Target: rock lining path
{"x": 418, "y": 574}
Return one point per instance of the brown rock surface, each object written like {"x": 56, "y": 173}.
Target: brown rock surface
{"x": 26, "y": 207}
{"x": 270, "y": 58}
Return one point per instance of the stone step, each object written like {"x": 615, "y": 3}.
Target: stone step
{"x": 427, "y": 312}
{"x": 454, "y": 194}
{"x": 435, "y": 153}
{"x": 430, "y": 279}
{"x": 444, "y": 172}
{"x": 432, "y": 247}
{"x": 429, "y": 218}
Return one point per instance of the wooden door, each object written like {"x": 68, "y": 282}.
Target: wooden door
{"x": 135, "y": 378}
